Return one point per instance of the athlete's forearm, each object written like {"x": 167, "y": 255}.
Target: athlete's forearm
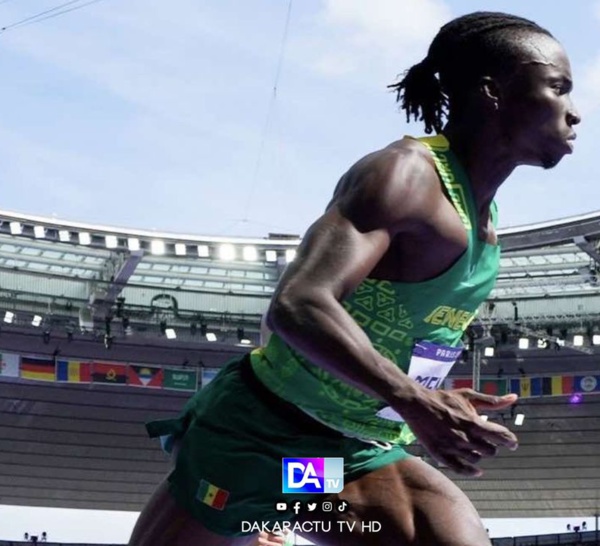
{"x": 318, "y": 326}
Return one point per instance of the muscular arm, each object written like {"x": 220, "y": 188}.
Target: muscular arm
{"x": 392, "y": 194}
{"x": 337, "y": 253}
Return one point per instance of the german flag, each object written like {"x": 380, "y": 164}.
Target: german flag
{"x": 39, "y": 368}
{"x": 212, "y": 495}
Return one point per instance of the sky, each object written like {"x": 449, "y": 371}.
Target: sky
{"x": 215, "y": 117}
{"x": 162, "y": 115}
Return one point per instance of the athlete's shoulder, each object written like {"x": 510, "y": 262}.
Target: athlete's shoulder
{"x": 407, "y": 156}
{"x": 395, "y": 183}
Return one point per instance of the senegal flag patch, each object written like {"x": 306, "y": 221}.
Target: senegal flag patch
{"x": 213, "y": 496}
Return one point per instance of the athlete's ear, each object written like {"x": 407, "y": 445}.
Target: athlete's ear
{"x": 490, "y": 92}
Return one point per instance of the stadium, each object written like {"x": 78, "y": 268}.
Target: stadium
{"x": 103, "y": 329}
{"x": 237, "y": 118}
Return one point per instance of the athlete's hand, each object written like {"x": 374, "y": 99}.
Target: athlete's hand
{"x": 450, "y": 429}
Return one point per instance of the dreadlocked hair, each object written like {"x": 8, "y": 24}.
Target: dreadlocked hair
{"x": 464, "y": 49}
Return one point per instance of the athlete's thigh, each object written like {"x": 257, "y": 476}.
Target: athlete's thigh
{"x": 164, "y": 523}
{"x": 405, "y": 503}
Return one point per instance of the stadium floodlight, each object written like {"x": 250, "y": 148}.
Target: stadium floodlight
{"x": 211, "y": 336}
{"x": 157, "y": 247}
{"x": 227, "y": 252}
{"x": 523, "y": 343}
{"x": 39, "y": 232}
{"x": 133, "y": 244}
{"x": 488, "y": 351}
{"x": 111, "y": 241}
{"x": 36, "y": 321}
{"x": 64, "y": 236}
{"x": 519, "y": 419}
{"x": 271, "y": 255}
{"x": 85, "y": 238}
{"x": 290, "y": 255}
{"x": 16, "y": 228}
{"x": 203, "y": 251}
{"x": 250, "y": 253}
{"x": 578, "y": 340}
{"x": 180, "y": 249}
{"x": 170, "y": 333}
{"x": 596, "y": 339}
{"x": 9, "y": 316}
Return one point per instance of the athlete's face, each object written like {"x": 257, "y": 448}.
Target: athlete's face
{"x": 535, "y": 109}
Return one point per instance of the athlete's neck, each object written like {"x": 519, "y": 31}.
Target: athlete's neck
{"x": 484, "y": 159}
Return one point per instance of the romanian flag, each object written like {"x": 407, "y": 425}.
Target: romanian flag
{"x": 144, "y": 376}
{"x": 73, "y": 371}
{"x": 557, "y": 385}
{"x": 32, "y": 367}
{"x": 108, "y": 372}
{"x": 212, "y": 495}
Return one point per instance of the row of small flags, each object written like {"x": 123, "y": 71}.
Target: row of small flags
{"x": 139, "y": 375}
{"x": 109, "y": 373}
{"x": 526, "y": 387}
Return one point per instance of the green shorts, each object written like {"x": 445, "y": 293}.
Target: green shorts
{"x": 233, "y": 434}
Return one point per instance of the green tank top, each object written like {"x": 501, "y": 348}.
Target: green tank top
{"x": 396, "y": 316}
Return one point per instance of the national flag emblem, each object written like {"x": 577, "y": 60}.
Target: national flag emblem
{"x": 181, "y": 380}
{"x": 73, "y": 371}
{"x": 525, "y": 391}
{"x": 107, "y": 372}
{"x": 212, "y": 495}
{"x": 144, "y": 376}
{"x": 42, "y": 369}
{"x": 587, "y": 383}
{"x": 557, "y": 385}
{"x": 497, "y": 387}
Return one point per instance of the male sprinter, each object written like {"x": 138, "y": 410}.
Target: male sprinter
{"x": 367, "y": 320}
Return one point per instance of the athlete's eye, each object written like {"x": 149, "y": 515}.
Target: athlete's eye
{"x": 561, "y": 87}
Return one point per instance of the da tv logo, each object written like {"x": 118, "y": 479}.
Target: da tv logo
{"x": 313, "y": 475}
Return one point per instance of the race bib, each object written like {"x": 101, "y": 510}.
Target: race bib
{"x": 429, "y": 365}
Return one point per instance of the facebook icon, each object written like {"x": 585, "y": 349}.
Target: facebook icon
{"x": 313, "y": 475}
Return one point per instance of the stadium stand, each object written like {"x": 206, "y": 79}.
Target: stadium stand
{"x": 103, "y": 328}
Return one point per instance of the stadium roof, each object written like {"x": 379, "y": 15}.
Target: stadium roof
{"x": 104, "y": 296}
